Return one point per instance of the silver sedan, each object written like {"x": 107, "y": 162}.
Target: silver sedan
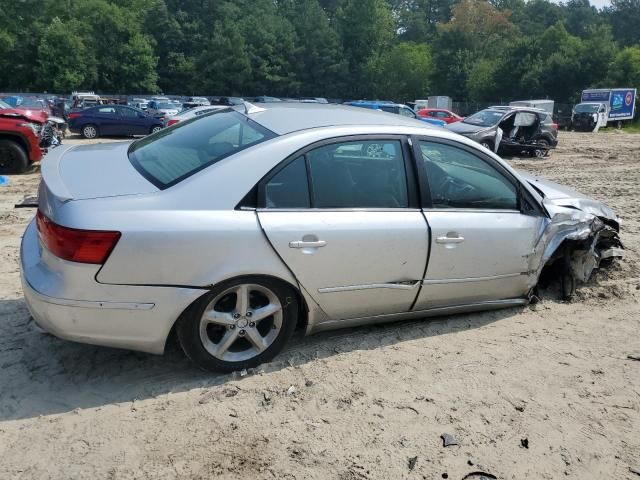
{"x": 234, "y": 228}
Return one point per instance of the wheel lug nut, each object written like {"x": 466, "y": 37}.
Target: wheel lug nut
{"x": 236, "y": 315}
{"x": 252, "y": 324}
{"x": 231, "y": 327}
{"x": 241, "y": 332}
{"x": 249, "y": 314}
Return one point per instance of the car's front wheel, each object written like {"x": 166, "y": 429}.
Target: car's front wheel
{"x": 13, "y": 158}
{"x": 156, "y": 129}
{"x": 239, "y": 324}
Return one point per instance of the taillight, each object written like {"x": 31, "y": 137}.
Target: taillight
{"x": 172, "y": 121}
{"x": 554, "y": 126}
{"x": 73, "y": 115}
{"x": 83, "y": 246}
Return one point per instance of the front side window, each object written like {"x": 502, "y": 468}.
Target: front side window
{"x": 107, "y": 110}
{"x": 176, "y": 153}
{"x": 128, "y": 112}
{"x": 406, "y": 112}
{"x": 459, "y": 179}
{"x": 442, "y": 114}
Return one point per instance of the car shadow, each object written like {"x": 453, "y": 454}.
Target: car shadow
{"x": 43, "y": 375}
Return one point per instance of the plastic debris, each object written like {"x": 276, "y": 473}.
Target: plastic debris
{"x": 448, "y": 440}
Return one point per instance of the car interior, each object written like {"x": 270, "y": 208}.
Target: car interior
{"x": 520, "y": 127}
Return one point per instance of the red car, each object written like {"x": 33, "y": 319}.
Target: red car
{"x": 441, "y": 114}
{"x": 19, "y": 138}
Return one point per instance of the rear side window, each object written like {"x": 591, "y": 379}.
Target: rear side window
{"x": 174, "y": 154}
{"x": 107, "y": 110}
{"x": 355, "y": 174}
{"x": 288, "y": 188}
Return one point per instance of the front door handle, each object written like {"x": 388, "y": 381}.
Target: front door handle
{"x": 307, "y": 244}
{"x": 450, "y": 238}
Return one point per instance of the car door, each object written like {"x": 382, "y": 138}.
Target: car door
{"x": 132, "y": 122}
{"x": 344, "y": 216}
{"x": 483, "y": 226}
{"x": 108, "y": 120}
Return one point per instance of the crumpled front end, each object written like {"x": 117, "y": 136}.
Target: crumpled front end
{"x": 580, "y": 235}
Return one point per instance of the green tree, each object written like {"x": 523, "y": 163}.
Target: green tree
{"x": 625, "y": 68}
{"x": 624, "y": 18}
{"x": 64, "y": 63}
{"x": 404, "y": 71}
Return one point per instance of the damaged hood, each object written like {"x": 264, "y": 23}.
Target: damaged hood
{"x": 556, "y": 195}
{"x": 37, "y": 116}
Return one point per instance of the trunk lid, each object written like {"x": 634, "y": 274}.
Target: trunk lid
{"x": 79, "y": 172}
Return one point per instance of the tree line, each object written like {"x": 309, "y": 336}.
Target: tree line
{"x": 471, "y": 50}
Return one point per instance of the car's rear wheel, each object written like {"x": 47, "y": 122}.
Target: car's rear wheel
{"x": 543, "y": 151}
{"x": 13, "y": 158}
{"x": 239, "y": 324}
{"x": 156, "y": 129}
{"x": 90, "y": 131}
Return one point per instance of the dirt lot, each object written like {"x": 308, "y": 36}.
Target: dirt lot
{"x": 542, "y": 392}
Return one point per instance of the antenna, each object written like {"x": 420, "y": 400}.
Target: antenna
{"x": 250, "y": 108}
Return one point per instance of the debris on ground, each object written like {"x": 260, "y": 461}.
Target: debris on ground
{"x": 412, "y": 462}
{"x": 634, "y": 357}
{"x": 524, "y": 442}
{"x": 448, "y": 440}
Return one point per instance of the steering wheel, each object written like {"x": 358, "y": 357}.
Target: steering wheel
{"x": 450, "y": 187}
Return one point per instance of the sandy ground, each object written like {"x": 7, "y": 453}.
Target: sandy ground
{"x": 367, "y": 403}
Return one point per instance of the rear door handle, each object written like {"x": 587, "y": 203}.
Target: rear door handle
{"x": 447, "y": 239}
{"x": 304, "y": 244}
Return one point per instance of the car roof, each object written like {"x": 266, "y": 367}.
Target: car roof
{"x": 283, "y": 118}
{"x": 517, "y": 107}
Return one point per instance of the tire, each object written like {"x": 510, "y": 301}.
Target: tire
{"x": 541, "y": 152}
{"x": 155, "y": 129}
{"x": 487, "y": 144}
{"x": 90, "y": 131}
{"x": 226, "y": 339}
{"x": 13, "y": 158}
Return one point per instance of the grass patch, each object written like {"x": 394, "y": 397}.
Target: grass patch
{"x": 626, "y": 128}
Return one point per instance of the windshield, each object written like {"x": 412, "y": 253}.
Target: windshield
{"x": 171, "y": 106}
{"x": 484, "y": 118}
{"x": 587, "y": 108}
{"x": 174, "y": 154}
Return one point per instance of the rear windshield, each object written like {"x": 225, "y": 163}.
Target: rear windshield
{"x": 174, "y": 154}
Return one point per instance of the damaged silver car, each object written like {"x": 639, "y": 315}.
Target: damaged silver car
{"x": 235, "y": 228}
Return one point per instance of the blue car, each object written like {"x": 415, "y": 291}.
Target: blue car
{"x": 112, "y": 120}
{"x": 398, "y": 109}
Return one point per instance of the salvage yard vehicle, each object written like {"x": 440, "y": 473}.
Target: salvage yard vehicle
{"x": 196, "y": 102}
{"x": 446, "y": 116}
{"x": 396, "y": 108}
{"x": 234, "y": 228}
{"x": 163, "y": 108}
{"x": 589, "y": 116}
{"x": 113, "y": 120}
{"x": 190, "y": 113}
{"x": 20, "y": 137}
{"x": 510, "y": 130}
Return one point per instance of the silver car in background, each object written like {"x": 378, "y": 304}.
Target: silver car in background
{"x": 191, "y": 113}
{"x": 236, "y": 227}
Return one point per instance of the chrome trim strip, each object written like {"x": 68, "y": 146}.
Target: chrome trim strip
{"x": 96, "y": 304}
{"x": 350, "y": 288}
{"x": 470, "y": 279}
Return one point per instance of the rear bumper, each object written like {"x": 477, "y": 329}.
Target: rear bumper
{"x": 66, "y": 301}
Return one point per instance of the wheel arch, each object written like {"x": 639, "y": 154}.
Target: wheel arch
{"x": 17, "y": 138}
{"x": 301, "y": 301}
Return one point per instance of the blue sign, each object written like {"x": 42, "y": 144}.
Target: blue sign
{"x": 622, "y": 103}
{"x": 596, "y": 95}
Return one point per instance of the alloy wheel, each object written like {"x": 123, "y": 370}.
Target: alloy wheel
{"x": 241, "y": 322}
{"x": 89, "y": 131}
{"x": 156, "y": 129}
